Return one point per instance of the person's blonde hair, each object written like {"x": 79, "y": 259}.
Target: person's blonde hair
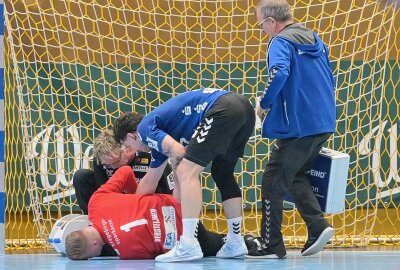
{"x": 76, "y": 245}
{"x": 105, "y": 145}
{"x": 277, "y": 9}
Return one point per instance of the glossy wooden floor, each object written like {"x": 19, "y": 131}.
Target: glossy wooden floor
{"x": 351, "y": 259}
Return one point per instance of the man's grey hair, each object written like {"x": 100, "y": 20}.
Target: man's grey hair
{"x": 277, "y": 9}
{"x": 105, "y": 145}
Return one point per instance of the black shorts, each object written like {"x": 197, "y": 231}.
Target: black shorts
{"x": 224, "y": 130}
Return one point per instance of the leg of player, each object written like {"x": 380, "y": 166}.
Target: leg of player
{"x": 222, "y": 172}
{"x": 212, "y": 242}
{"x": 85, "y": 185}
{"x": 188, "y": 248}
{"x": 177, "y": 189}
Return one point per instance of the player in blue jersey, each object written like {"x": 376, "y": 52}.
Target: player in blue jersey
{"x": 192, "y": 130}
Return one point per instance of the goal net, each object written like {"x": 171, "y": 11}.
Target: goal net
{"x": 73, "y": 66}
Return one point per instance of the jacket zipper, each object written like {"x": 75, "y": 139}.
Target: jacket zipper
{"x": 285, "y": 111}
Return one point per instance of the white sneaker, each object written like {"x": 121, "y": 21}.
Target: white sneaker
{"x": 182, "y": 252}
{"x": 232, "y": 249}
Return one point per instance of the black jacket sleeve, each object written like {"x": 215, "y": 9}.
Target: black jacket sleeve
{"x": 101, "y": 174}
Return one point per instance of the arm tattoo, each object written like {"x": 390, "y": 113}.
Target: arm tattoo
{"x": 176, "y": 162}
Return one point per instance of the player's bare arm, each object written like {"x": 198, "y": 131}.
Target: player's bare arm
{"x": 149, "y": 182}
{"x": 174, "y": 150}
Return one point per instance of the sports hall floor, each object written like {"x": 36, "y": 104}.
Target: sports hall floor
{"x": 376, "y": 258}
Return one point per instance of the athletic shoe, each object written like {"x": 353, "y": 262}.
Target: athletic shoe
{"x": 182, "y": 252}
{"x": 232, "y": 249}
{"x": 316, "y": 244}
{"x": 252, "y": 242}
{"x": 264, "y": 252}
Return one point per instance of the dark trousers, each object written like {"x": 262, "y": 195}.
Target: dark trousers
{"x": 85, "y": 185}
{"x": 286, "y": 171}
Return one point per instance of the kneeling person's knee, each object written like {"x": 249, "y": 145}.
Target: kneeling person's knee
{"x": 225, "y": 181}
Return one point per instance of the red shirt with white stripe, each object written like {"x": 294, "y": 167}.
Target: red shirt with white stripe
{"x": 137, "y": 226}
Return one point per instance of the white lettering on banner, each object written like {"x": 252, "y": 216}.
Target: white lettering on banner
{"x": 315, "y": 173}
{"x": 315, "y": 189}
{"x": 43, "y": 139}
{"x": 365, "y": 149}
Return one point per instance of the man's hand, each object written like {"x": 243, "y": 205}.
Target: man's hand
{"x": 149, "y": 182}
{"x": 260, "y": 113}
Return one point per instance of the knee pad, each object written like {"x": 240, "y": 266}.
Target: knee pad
{"x": 222, "y": 172}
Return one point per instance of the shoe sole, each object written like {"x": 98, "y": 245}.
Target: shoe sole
{"x": 270, "y": 256}
{"x": 233, "y": 256}
{"x": 182, "y": 259}
{"x": 325, "y": 236}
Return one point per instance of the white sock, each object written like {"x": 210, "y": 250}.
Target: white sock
{"x": 234, "y": 225}
{"x": 189, "y": 234}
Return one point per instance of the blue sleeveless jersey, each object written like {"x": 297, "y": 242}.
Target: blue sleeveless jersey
{"x": 178, "y": 117}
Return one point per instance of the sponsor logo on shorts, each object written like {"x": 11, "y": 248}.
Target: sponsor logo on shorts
{"x": 170, "y": 180}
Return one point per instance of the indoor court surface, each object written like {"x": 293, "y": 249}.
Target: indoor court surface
{"x": 342, "y": 259}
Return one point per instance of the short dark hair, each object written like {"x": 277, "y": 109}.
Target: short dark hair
{"x": 126, "y": 123}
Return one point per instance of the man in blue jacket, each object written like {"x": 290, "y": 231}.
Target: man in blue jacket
{"x": 298, "y": 110}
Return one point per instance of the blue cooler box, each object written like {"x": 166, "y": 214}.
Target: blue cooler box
{"x": 328, "y": 178}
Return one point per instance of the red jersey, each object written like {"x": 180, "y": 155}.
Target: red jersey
{"x": 137, "y": 226}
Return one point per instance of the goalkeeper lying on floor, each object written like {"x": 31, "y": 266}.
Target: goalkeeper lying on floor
{"x": 135, "y": 226}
